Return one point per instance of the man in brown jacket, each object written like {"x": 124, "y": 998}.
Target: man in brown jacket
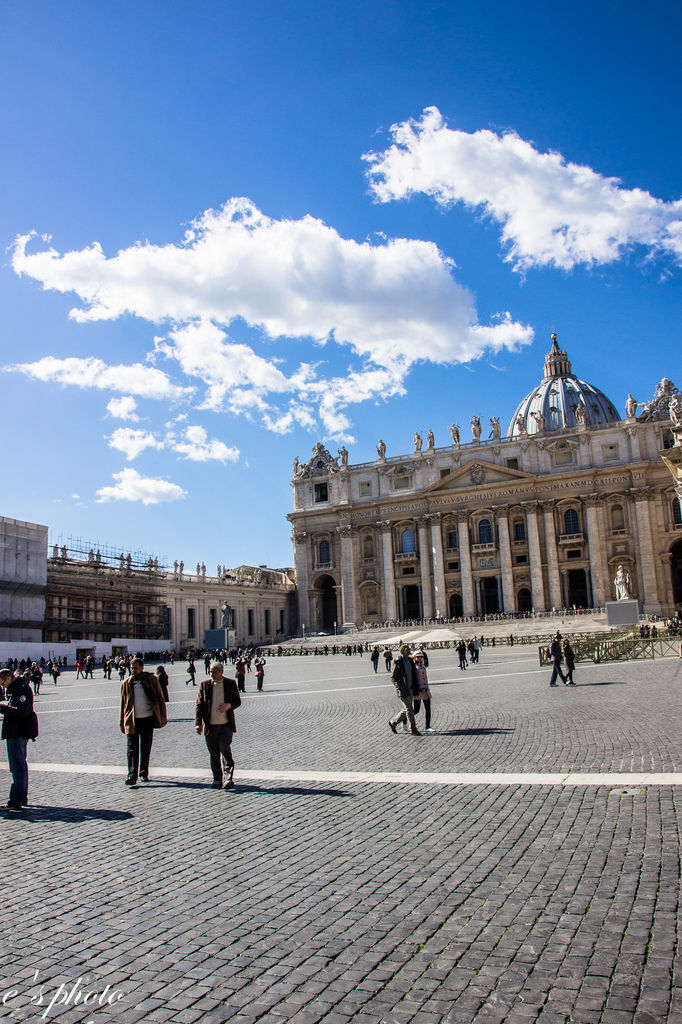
{"x": 143, "y": 709}
{"x": 214, "y": 717}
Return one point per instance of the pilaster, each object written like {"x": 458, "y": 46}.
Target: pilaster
{"x": 650, "y": 600}
{"x": 594, "y": 546}
{"x": 535, "y": 558}
{"x": 347, "y": 573}
{"x": 508, "y": 595}
{"x": 425, "y": 567}
{"x": 300, "y": 540}
{"x": 390, "y": 607}
{"x": 439, "y": 592}
{"x": 555, "y": 596}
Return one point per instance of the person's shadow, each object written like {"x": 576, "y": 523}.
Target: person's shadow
{"x": 40, "y": 812}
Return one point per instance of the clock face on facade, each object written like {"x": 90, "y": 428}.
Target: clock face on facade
{"x": 319, "y": 464}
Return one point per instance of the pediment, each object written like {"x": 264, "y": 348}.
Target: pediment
{"x": 479, "y": 473}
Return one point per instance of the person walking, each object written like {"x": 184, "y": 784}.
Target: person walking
{"x": 554, "y": 653}
{"x": 375, "y": 658}
{"x": 162, "y": 676}
{"x": 191, "y": 672}
{"x": 214, "y": 718}
{"x": 462, "y": 652}
{"x": 405, "y": 681}
{"x": 569, "y": 658}
{"x": 240, "y": 669}
{"x": 388, "y": 658}
{"x": 19, "y": 725}
{"x": 423, "y": 691}
{"x": 143, "y": 709}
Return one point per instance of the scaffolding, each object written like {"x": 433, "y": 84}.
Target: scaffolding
{"x": 97, "y": 592}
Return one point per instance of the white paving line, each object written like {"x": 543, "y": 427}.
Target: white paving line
{"x": 387, "y": 778}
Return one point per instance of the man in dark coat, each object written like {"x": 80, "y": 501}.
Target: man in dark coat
{"x": 214, "y": 718}
{"x": 555, "y": 656}
{"x": 17, "y": 713}
{"x": 405, "y": 681}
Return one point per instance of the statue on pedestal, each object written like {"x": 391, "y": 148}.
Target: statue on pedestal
{"x": 381, "y": 450}
{"x": 225, "y": 616}
{"x": 621, "y": 582}
{"x": 631, "y": 407}
{"x": 430, "y": 439}
{"x": 343, "y": 454}
{"x": 476, "y": 428}
{"x": 417, "y": 439}
{"x": 496, "y": 432}
{"x": 454, "y": 434}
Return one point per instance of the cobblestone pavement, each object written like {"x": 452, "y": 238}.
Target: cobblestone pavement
{"x": 342, "y": 900}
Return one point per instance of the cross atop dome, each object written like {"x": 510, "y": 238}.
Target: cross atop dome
{"x": 557, "y": 363}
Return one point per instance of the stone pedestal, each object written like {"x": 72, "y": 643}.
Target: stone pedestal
{"x": 622, "y": 613}
{"x": 219, "y": 639}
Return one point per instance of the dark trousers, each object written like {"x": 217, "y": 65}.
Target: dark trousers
{"x": 556, "y": 671}
{"x": 219, "y": 740}
{"x": 427, "y": 710}
{"x": 240, "y": 683}
{"x": 140, "y": 747}
{"x": 18, "y": 766}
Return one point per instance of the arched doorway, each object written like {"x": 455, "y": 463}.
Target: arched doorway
{"x": 456, "y": 606}
{"x": 577, "y": 588}
{"x": 676, "y": 569}
{"x": 490, "y": 598}
{"x": 524, "y": 601}
{"x": 326, "y": 602}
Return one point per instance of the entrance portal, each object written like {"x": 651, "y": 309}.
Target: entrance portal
{"x": 524, "y": 601}
{"x": 411, "y": 602}
{"x": 456, "y": 606}
{"x": 490, "y": 599}
{"x": 577, "y": 588}
{"x": 676, "y": 569}
{"x": 326, "y": 589}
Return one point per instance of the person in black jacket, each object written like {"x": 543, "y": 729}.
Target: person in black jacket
{"x": 214, "y": 718}
{"x": 17, "y": 714}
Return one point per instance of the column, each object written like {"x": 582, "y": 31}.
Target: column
{"x": 564, "y": 586}
{"x": 390, "y": 611}
{"x": 649, "y": 595}
{"x": 508, "y": 597}
{"x": 300, "y": 540}
{"x": 537, "y": 586}
{"x": 425, "y": 567}
{"x": 594, "y": 549}
{"x": 552, "y": 556}
{"x": 439, "y": 592}
{"x": 347, "y": 573}
{"x": 465, "y": 564}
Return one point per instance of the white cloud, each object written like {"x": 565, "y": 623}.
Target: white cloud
{"x": 131, "y": 442}
{"x": 552, "y": 212}
{"x": 89, "y": 372}
{"x": 123, "y": 408}
{"x": 130, "y": 486}
{"x": 197, "y": 448}
{"x": 389, "y": 305}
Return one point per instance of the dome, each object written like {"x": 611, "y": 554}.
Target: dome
{"x": 561, "y": 400}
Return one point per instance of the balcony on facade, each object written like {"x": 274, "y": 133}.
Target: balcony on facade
{"x": 571, "y": 538}
{"x": 323, "y": 565}
{"x": 406, "y": 556}
{"x": 489, "y": 547}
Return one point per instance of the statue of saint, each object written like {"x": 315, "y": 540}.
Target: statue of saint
{"x": 579, "y": 413}
{"x": 55, "y": 551}
{"x": 675, "y": 411}
{"x": 417, "y": 441}
{"x": 454, "y": 434}
{"x": 631, "y": 407}
{"x": 343, "y": 454}
{"x": 540, "y": 421}
{"x": 181, "y": 568}
{"x": 225, "y": 616}
{"x": 430, "y": 439}
{"x": 521, "y": 424}
{"x": 381, "y": 450}
{"x": 496, "y": 431}
{"x": 476, "y": 428}
{"x": 622, "y": 584}
{"x": 297, "y": 467}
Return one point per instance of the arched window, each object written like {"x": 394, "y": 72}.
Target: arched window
{"x": 617, "y": 517}
{"x": 452, "y": 539}
{"x": 407, "y": 542}
{"x": 677, "y": 512}
{"x": 485, "y": 532}
{"x": 368, "y": 546}
{"x": 325, "y": 552}
{"x": 571, "y": 524}
{"x": 519, "y": 529}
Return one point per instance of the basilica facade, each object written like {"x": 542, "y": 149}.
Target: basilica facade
{"x": 546, "y": 516}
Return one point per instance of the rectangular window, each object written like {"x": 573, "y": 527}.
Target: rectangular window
{"x": 191, "y": 623}
{"x": 401, "y": 483}
{"x": 281, "y": 620}
{"x": 444, "y": 473}
{"x": 321, "y": 492}
{"x": 512, "y": 463}
{"x": 365, "y": 488}
{"x": 563, "y": 458}
{"x": 267, "y": 622}
{"x": 574, "y": 553}
{"x": 452, "y": 539}
{"x": 250, "y": 616}
{"x": 610, "y": 452}
{"x": 453, "y": 566}
{"x": 212, "y": 618}
{"x": 519, "y": 531}
{"x": 521, "y": 559}
{"x": 409, "y": 571}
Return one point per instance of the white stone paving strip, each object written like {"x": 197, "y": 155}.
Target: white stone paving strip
{"x": 615, "y": 779}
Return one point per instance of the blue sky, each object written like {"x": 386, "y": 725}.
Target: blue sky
{"x": 233, "y": 230}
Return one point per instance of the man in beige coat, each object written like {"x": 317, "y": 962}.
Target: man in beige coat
{"x": 143, "y": 709}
